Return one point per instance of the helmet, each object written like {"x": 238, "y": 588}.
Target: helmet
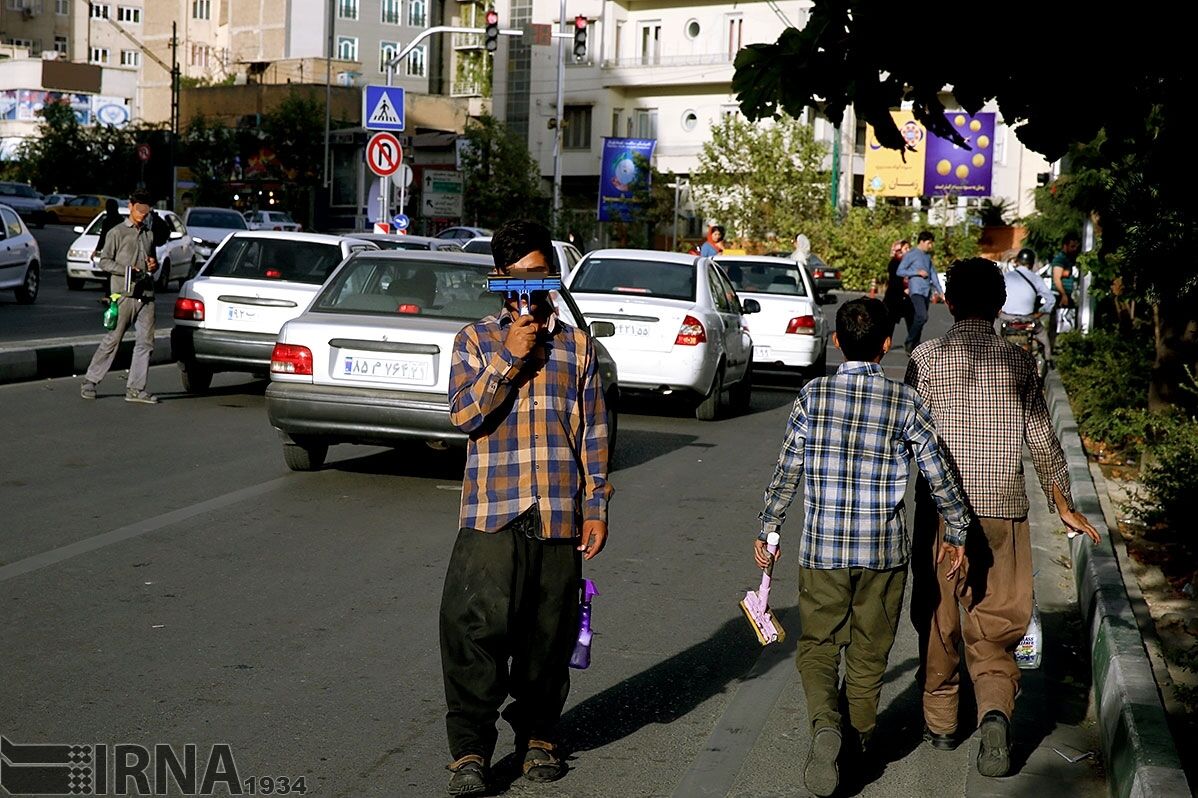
{"x": 1026, "y": 257}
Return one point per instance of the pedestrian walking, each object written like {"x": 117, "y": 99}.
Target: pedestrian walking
{"x": 1027, "y": 298}
{"x": 534, "y": 504}
{"x": 112, "y": 217}
{"x": 895, "y": 297}
{"x": 854, "y": 548}
{"x": 986, "y": 398}
{"x": 128, "y": 255}
{"x": 714, "y": 245}
{"x": 923, "y": 285}
{"x": 802, "y": 250}
{"x": 1064, "y": 282}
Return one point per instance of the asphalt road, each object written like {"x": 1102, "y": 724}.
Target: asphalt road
{"x": 165, "y": 579}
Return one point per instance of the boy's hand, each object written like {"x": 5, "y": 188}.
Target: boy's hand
{"x": 1076, "y": 522}
{"x": 594, "y": 536}
{"x": 762, "y": 556}
{"x": 521, "y": 338}
{"x": 956, "y": 555}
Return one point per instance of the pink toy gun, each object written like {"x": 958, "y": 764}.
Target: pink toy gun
{"x": 581, "y": 658}
{"x": 756, "y": 604}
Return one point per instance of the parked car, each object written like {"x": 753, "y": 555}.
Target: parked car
{"x": 825, "y": 277}
{"x": 791, "y": 333}
{"x": 209, "y": 226}
{"x": 678, "y": 324}
{"x": 463, "y": 233}
{"x": 272, "y": 220}
{"x": 228, "y": 316}
{"x": 54, "y": 200}
{"x": 20, "y": 257}
{"x": 388, "y": 241}
{"x": 176, "y": 257}
{"x": 25, "y": 200}
{"x": 369, "y": 361}
{"x": 80, "y": 209}
{"x": 564, "y": 252}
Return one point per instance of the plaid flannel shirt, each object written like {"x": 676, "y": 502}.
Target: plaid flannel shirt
{"x": 987, "y": 400}
{"x": 852, "y": 437}
{"x": 538, "y": 435}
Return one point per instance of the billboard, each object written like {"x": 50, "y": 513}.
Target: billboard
{"x": 624, "y": 173}
{"x": 949, "y": 169}
{"x": 890, "y": 173}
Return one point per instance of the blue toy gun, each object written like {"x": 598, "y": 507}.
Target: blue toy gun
{"x": 581, "y": 658}
{"x": 519, "y": 288}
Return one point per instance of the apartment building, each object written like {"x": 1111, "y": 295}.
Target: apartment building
{"x": 84, "y": 31}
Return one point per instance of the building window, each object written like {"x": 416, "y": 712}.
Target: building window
{"x": 651, "y": 43}
{"x": 577, "y": 124}
{"x": 26, "y": 43}
{"x": 416, "y": 62}
{"x": 199, "y": 55}
{"x": 417, "y": 13}
{"x": 693, "y": 29}
{"x": 130, "y": 58}
{"x": 644, "y": 123}
{"x": 1000, "y": 144}
{"x": 736, "y": 35}
{"x": 99, "y": 55}
{"x": 690, "y": 120}
{"x": 128, "y": 14}
{"x": 60, "y": 45}
{"x": 615, "y": 122}
{"x": 98, "y": 11}
{"x": 389, "y": 12}
{"x": 347, "y": 9}
{"x": 347, "y": 48}
{"x": 387, "y": 51}
{"x": 201, "y": 9}
{"x": 62, "y": 7}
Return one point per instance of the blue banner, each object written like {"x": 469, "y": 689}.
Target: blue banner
{"x": 624, "y": 177}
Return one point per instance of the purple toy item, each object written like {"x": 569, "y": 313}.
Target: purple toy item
{"x": 756, "y": 604}
{"x": 581, "y": 658}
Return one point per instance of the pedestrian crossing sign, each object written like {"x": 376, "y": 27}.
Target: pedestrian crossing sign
{"x": 383, "y": 108}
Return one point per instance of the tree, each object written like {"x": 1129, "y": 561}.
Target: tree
{"x": 502, "y": 181}
{"x": 761, "y": 179}
{"x": 53, "y": 160}
{"x": 209, "y": 148}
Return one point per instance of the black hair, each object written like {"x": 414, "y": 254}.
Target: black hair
{"x": 111, "y": 206}
{"x": 1070, "y": 237}
{"x": 141, "y": 197}
{"x": 862, "y": 326}
{"x": 925, "y": 235}
{"x": 521, "y": 237}
{"x": 719, "y": 229}
{"x": 976, "y": 289}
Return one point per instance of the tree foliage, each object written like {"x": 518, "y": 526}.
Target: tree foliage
{"x": 502, "y": 181}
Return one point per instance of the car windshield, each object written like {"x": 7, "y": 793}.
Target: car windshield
{"x": 253, "y": 258}
{"x": 764, "y": 278}
{"x": 387, "y": 286}
{"x": 279, "y": 216}
{"x": 228, "y": 220}
{"x": 640, "y": 277}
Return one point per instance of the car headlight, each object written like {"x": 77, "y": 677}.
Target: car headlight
{"x": 79, "y": 254}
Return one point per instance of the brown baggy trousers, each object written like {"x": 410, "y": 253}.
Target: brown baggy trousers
{"x": 989, "y": 605}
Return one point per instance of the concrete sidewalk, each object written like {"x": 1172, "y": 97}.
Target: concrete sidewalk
{"x": 65, "y": 357}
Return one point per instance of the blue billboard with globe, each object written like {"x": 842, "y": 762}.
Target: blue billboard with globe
{"x": 624, "y": 177}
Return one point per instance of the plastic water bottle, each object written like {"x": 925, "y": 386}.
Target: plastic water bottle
{"x": 112, "y": 312}
{"x": 581, "y": 658}
{"x": 1030, "y": 650}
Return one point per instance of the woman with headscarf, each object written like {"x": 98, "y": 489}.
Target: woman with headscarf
{"x": 895, "y": 298}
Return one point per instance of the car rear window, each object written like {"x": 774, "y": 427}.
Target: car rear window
{"x": 387, "y": 286}
{"x": 399, "y": 243}
{"x": 285, "y": 259}
{"x": 223, "y": 219}
{"x": 477, "y": 247}
{"x": 635, "y": 277}
{"x": 764, "y": 278}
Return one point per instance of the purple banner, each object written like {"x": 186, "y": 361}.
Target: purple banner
{"x": 949, "y": 169}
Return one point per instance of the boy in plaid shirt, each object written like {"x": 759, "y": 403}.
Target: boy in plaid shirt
{"x": 851, "y": 439}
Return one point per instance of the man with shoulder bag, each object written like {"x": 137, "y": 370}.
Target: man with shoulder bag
{"x": 1028, "y": 299}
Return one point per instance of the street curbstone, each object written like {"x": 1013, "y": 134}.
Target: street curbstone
{"x": 24, "y": 361}
{"x": 1141, "y": 756}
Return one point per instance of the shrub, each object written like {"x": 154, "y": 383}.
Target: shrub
{"x": 1167, "y": 481}
{"x": 1106, "y": 375}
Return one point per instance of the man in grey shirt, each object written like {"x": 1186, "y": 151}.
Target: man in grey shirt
{"x": 923, "y": 285}
{"x": 129, "y": 256}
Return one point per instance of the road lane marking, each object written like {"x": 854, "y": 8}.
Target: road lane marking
{"x": 63, "y": 553}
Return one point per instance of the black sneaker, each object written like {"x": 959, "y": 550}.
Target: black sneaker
{"x": 994, "y": 756}
{"x": 469, "y": 777}
{"x": 821, "y": 774}
{"x": 941, "y": 742}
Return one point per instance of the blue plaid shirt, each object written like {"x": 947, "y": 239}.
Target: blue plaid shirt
{"x": 851, "y": 438}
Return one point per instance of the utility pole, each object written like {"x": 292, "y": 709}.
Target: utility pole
{"x": 836, "y": 171}
{"x": 328, "y": 97}
{"x": 174, "y": 110}
{"x": 557, "y": 128}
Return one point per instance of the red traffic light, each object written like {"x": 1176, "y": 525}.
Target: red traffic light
{"x": 580, "y": 22}
{"x": 492, "y": 17}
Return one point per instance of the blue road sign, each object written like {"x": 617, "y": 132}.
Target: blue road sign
{"x": 400, "y": 221}
{"x": 383, "y": 108}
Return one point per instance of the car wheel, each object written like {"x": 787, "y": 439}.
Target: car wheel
{"x": 27, "y": 291}
{"x": 305, "y": 456}
{"x": 709, "y": 408}
{"x": 819, "y": 368}
{"x": 741, "y": 394}
{"x": 196, "y": 378}
{"x": 164, "y": 276}
{"x": 75, "y": 283}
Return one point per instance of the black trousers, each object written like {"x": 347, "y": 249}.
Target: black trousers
{"x": 509, "y": 622}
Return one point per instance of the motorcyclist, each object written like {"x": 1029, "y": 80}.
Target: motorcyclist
{"x": 1028, "y": 299}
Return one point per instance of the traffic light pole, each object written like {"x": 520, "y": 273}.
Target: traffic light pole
{"x": 557, "y": 128}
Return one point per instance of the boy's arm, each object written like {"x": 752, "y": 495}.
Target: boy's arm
{"x": 108, "y": 252}
{"x": 594, "y": 453}
{"x": 932, "y": 463}
{"x": 788, "y": 472}
{"x": 477, "y": 386}
{"x": 937, "y": 287}
{"x": 1047, "y": 455}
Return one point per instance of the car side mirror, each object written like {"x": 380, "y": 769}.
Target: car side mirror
{"x": 175, "y": 236}
{"x": 602, "y": 329}
{"x": 78, "y": 229}
{"x": 750, "y": 306}
{"x": 825, "y": 299}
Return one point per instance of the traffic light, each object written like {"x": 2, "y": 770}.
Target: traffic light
{"x": 492, "y": 30}
{"x": 580, "y": 37}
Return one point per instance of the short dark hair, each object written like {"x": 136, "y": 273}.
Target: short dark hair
{"x": 975, "y": 289}
{"x": 141, "y": 197}
{"x": 521, "y": 237}
{"x": 718, "y": 229}
{"x": 862, "y": 326}
{"x": 925, "y": 235}
{"x": 1070, "y": 237}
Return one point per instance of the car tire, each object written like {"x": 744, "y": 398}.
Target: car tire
{"x": 740, "y": 395}
{"x": 709, "y": 408}
{"x": 819, "y": 368}
{"x": 26, "y": 292}
{"x": 163, "y": 281}
{"x": 305, "y": 456}
{"x": 75, "y": 283}
{"x": 196, "y": 378}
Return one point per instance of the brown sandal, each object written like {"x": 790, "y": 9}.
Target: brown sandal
{"x": 469, "y": 775}
{"x": 541, "y": 763}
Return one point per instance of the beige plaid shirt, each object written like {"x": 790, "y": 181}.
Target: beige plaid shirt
{"x": 987, "y": 400}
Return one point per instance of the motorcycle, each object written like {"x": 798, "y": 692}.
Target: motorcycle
{"x": 1022, "y": 332}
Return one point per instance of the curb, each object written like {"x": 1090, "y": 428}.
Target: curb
{"x": 22, "y": 361}
{"x": 1142, "y": 759}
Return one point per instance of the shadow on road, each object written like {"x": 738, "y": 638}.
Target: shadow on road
{"x": 635, "y": 447}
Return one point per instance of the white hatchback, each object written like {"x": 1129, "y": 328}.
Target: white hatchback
{"x": 679, "y": 325}
{"x": 228, "y": 316}
{"x": 790, "y": 334}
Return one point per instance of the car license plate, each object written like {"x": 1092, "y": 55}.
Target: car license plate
{"x": 241, "y": 314}
{"x": 761, "y": 352}
{"x": 408, "y": 371}
{"x": 635, "y": 330}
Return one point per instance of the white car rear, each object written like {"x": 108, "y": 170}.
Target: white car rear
{"x": 565, "y": 253}
{"x": 278, "y": 221}
{"x": 679, "y": 326}
{"x": 228, "y": 316}
{"x": 790, "y": 333}
{"x": 210, "y": 226}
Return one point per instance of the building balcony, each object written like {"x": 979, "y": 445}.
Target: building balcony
{"x": 676, "y": 70}
{"x": 467, "y": 88}
{"x": 467, "y": 41}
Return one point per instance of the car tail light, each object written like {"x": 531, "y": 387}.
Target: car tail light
{"x": 189, "y": 309}
{"x": 291, "y": 359}
{"x": 273, "y": 274}
{"x": 801, "y": 325}
{"x": 691, "y": 333}
{"x": 407, "y": 308}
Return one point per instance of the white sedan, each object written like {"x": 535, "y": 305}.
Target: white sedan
{"x": 176, "y": 257}
{"x": 565, "y": 253}
{"x": 679, "y": 326}
{"x": 20, "y": 257}
{"x": 791, "y": 333}
{"x": 279, "y": 221}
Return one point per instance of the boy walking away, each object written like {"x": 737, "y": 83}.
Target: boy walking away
{"x": 851, "y": 438}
